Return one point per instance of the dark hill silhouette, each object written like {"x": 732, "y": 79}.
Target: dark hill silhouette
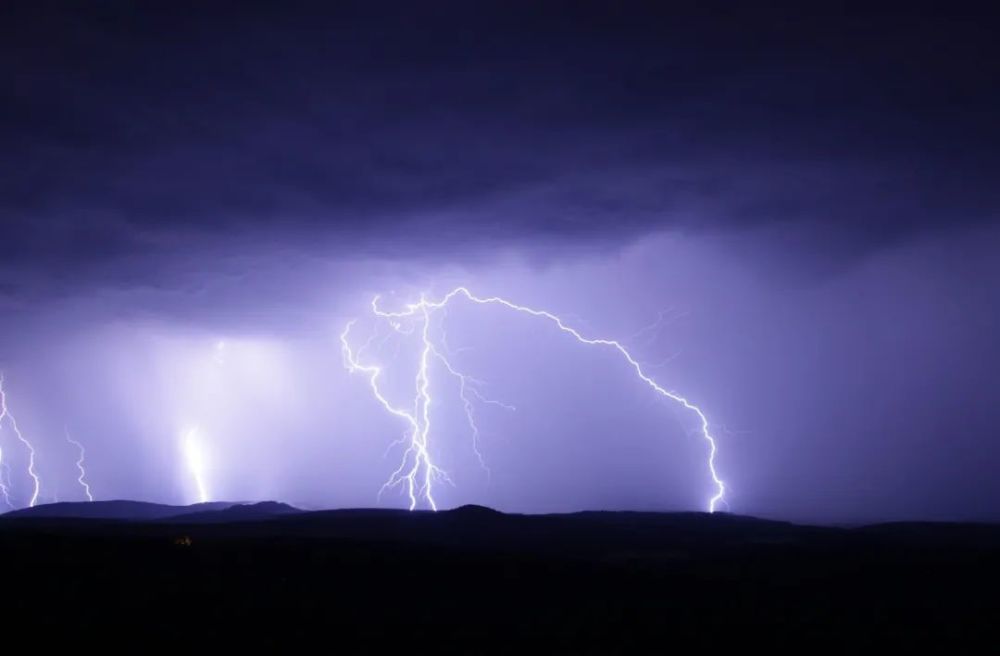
{"x": 239, "y": 512}
{"x": 474, "y": 510}
{"x": 117, "y": 509}
{"x": 582, "y": 534}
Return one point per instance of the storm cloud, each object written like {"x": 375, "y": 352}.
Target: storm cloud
{"x": 375, "y": 126}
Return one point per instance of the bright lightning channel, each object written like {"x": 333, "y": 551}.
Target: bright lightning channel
{"x": 82, "y": 478}
{"x": 194, "y": 456}
{"x": 417, "y": 472}
{"x": 5, "y": 414}
{"x": 5, "y": 482}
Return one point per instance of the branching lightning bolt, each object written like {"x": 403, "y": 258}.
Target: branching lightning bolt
{"x": 5, "y": 414}
{"x": 82, "y": 479}
{"x": 467, "y": 385}
{"x": 418, "y": 470}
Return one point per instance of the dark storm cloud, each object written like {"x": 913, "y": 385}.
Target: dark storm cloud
{"x": 163, "y": 128}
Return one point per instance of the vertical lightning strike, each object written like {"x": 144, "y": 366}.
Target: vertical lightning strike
{"x": 194, "y": 455}
{"x": 82, "y": 479}
{"x": 424, "y": 384}
{"x": 421, "y": 427}
{"x": 5, "y": 481}
{"x": 5, "y": 414}
{"x": 416, "y": 450}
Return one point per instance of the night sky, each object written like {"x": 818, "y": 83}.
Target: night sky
{"x": 787, "y": 213}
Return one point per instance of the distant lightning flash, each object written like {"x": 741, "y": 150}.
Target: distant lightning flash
{"x": 5, "y": 481}
{"x": 82, "y": 479}
{"x": 418, "y": 472}
{"x": 194, "y": 455}
{"x": 5, "y": 414}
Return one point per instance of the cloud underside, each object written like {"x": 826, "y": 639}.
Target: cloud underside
{"x": 145, "y": 132}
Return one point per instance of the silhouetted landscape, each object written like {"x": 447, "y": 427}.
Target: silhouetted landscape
{"x": 476, "y": 580}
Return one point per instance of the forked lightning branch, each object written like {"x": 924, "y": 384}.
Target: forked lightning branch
{"x": 418, "y": 473}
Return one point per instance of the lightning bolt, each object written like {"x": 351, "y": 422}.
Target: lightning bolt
{"x": 467, "y": 385}
{"x": 418, "y": 471}
{"x": 82, "y": 479}
{"x": 5, "y": 481}
{"x": 194, "y": 455}
{"x": 5, "y": 414}
{"x": 192, "y": 445}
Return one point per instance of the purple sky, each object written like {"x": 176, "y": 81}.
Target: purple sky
{"x": 807, "y": 197}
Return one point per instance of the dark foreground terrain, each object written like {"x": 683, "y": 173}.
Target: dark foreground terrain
{"x": 144, "y": 577}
